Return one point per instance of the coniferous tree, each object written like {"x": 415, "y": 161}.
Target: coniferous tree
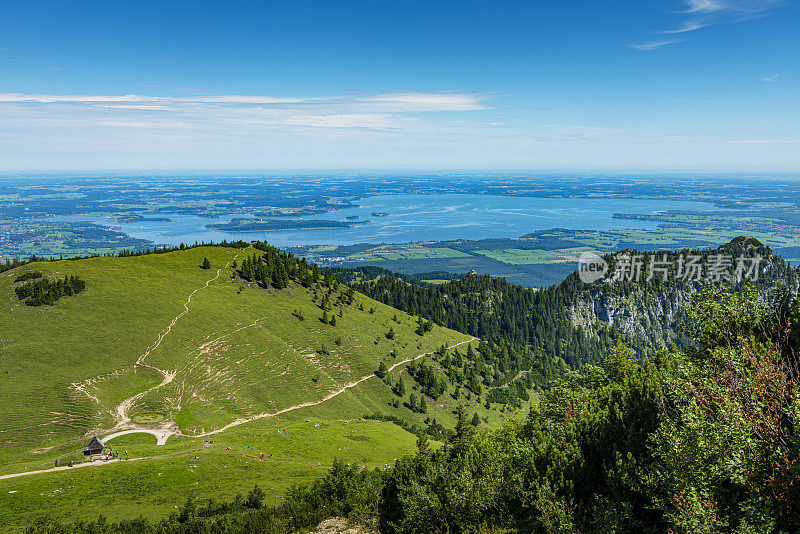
{"x": 382, "y": 370}
{"x": 413, "y": 403}
{"x": 463, "y": 430}
{"x": 399, "y": 387}
{"x": 423, "y": 446}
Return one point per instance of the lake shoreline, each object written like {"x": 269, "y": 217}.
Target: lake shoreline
{"x": 413, "y": 218}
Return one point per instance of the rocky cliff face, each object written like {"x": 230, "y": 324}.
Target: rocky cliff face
{"x": 649, "y": 315}
{"x": 646, "y": 320}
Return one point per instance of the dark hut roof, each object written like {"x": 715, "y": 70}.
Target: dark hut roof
{"x": 95, "y": 444}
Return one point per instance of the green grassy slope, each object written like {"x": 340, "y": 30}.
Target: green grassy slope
{"x": 234, "y": 354}
{"x": 152, "y": 487}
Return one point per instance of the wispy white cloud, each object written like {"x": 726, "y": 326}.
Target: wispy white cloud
{"x": 579, "y": 129}
{"x": 190, "y": 127}
{"x": 436, "y": 101}
{"x": 744, "y": 7}
{"x": 342, "y": 120}
{"x": 388, "y": 102}
{"x": 699, "y": 14}
{"x": 89, "y": 99}
{"x": 241, "y": 120}
{"x": 688, "y": 26}
{"x": 776, "y": 79}
{"x": 654, "y": 45}
{"x": 705, "y": 6}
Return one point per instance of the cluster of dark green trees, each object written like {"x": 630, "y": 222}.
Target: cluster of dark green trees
{"x": 274, "y": 267}
{"x": 503, "y": 371}
{"x": 16, "y": 262}
{"x": 430, "y": 384}
{"x": 44, "y": 291}
{"x": 30, "y": 275}
{"x": 264, "y": 270}
{"x": 484, "y": 306}
{"x": 506, "y": 371}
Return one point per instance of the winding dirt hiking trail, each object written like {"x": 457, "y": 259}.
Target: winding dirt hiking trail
{"x": 124, "y": 423}
{"x": 165, "y": 430}
{"x": 163, "y": 434}
{"x": 98, "y": 463}
{"x": 327, "y": 397}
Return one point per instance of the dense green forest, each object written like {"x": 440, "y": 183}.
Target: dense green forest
{"x": 371, "y": 272}
{"x": 499, "y": 371}
{"x": 695, "y": 440}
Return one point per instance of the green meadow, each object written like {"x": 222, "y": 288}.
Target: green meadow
{"x": 254, "y": 370}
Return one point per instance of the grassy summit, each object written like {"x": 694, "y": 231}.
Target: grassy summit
{"x": 155, "y": 342}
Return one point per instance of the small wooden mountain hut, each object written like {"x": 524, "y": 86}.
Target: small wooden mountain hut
{"x": 95, "y": 446}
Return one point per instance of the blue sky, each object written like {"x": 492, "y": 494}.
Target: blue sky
{"x": 711, "y": 85}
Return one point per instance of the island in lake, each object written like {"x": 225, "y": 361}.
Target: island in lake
{"x": 135, "y": 217}
{"x": 266, "y": 225}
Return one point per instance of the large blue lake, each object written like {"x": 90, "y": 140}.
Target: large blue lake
{"x": 422, "y": 218}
